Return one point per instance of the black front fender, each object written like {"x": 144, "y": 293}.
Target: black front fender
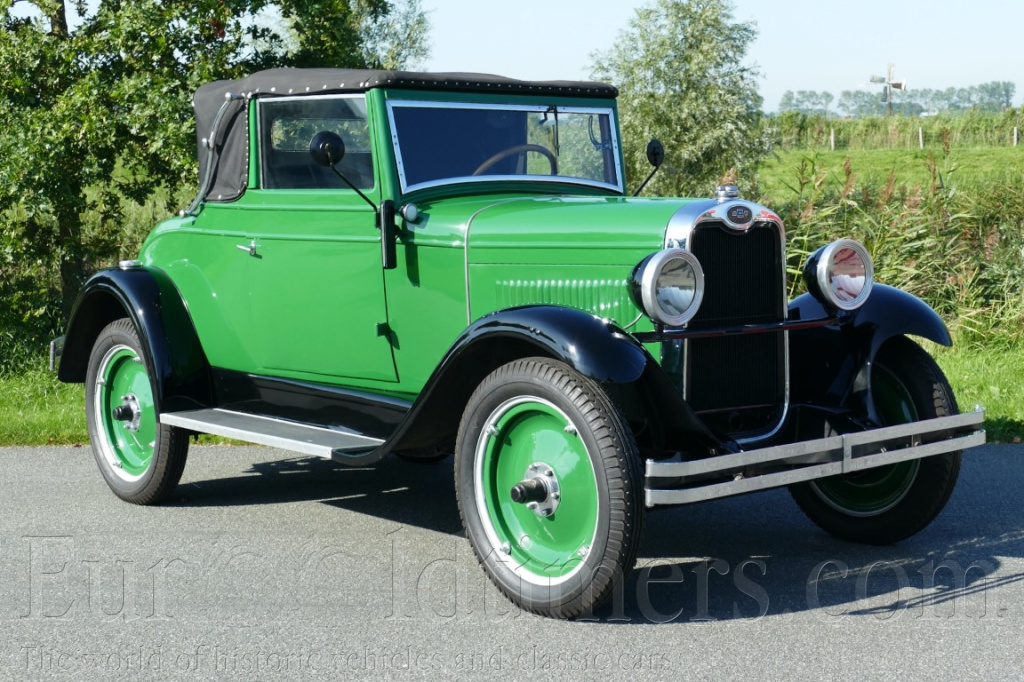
{"x": 831, "y": 366}
{"x": 170, "y": 346}
{"x": 594, "y": 347}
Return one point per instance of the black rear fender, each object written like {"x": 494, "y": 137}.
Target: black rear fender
{"x": 171, "y": 347}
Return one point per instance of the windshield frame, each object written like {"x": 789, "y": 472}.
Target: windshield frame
{"x": 562, "y": 108}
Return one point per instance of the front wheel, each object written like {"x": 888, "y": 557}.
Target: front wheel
{"x": 140, "y": 458}
{"x": 549, "y": 486}
{"x": 892, "y": 502}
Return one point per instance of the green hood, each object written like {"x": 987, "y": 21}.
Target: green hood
{"x": 576, "y": 252}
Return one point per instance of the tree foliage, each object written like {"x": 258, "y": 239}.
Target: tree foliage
{"x": 993, "y": 96}
{"x": 681, "y": 72}
{"x": 395, "y": 39}
{"x": 99, "y": 113}
{"x": 808, "y": 102}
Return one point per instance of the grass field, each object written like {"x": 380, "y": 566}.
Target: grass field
{"x": 36, "y": 409}
{"x": 963, "y": 167}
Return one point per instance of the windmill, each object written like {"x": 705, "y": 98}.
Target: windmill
{"x": 890, "y": 84}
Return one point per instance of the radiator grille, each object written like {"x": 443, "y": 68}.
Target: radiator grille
{"x": 742, "y": 377}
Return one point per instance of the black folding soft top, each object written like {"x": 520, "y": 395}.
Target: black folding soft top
{"x": 231, "y": 146}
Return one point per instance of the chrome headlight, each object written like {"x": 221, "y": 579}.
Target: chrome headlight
{"x": 669, "y": 286}
{"x": 840, "y": 275}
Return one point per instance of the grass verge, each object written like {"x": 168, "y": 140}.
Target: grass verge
{"x": 992, "y": 377}
{"x": 36, "y": 409}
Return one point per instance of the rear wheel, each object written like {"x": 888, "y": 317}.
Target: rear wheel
{"x": 549, "y": 486}
{"x": 889, "y": 503}
{"x": 141, "y": 459}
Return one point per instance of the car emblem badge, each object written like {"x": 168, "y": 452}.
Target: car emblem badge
{"x": 739, "y": 215}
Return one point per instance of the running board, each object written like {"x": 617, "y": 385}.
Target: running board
{"x": 700, "y": 480}
{"x": 344, "y": 446}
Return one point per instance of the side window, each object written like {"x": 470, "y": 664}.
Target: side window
{"x": 288, "y": 124}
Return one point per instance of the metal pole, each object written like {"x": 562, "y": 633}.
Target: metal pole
{"x": 920, "y": 138}
{"x": 832, "y": 138}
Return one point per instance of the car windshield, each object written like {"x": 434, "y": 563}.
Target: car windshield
{"x": 439, "y": 143}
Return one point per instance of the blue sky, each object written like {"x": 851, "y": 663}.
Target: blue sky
{"x": 801, "y": 45}
{"x": 824, "y": 45}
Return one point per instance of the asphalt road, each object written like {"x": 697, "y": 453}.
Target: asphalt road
{"x": 272, "y": 567}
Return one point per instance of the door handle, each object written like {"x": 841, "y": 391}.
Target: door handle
{"x": 250, "y": 247}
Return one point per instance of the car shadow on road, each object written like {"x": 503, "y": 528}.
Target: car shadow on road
{"x": 748, "y": 557}
{"x": 411, "y": 493}
{"x": 732, "y": 559}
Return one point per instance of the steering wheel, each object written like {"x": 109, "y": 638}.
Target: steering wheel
{"x": 519, "y": 149}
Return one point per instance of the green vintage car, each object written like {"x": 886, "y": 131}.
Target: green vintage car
{"x": 420, "y": 264}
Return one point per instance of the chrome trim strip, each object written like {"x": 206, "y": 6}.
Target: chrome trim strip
{"x": 538, "y": 108}
{"x": 679, "y": 233}
{"x": 481, "y": 179}
{"x": 785, "y": 398}
{"x": 839, "y": 448}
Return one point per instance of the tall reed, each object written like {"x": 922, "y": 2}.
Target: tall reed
{"x": 958, "y": 245}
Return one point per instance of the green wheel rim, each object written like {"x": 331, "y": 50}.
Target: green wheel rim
{"x": 541, "y": 550}
{"x": 875, "y": 491}
{"x": 127, "y": 444}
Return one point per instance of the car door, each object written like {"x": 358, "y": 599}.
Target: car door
{"x": 317, "y": 285}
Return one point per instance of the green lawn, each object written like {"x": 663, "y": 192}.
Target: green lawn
{"x": 36, "y": 409}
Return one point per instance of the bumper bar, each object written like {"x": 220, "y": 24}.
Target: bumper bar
{"x": 781, "y": 465}
{"x": 56, "y": 350}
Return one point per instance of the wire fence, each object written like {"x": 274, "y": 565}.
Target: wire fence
{"x": 973, "y": 129}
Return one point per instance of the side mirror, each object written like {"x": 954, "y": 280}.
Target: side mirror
{"x": 655, "y": 153}
{"x": 656, "y": 156}
{"x": 327, "y": 148}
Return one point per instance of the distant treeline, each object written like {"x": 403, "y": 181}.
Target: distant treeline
{"x": 994, "y": 96}
{"x": 974, "y": 128}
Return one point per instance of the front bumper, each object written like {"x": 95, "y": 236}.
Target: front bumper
{"x": 773, "y": 467}
{"x": 56, "y": 350}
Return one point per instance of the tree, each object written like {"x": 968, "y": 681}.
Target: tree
{"x": 680, "y": 70}
{"x": 858, "y": 103}
{"x": 808, "y": 102}
{"x": 395, "y": 39}
{"x": 91, "y": 114}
